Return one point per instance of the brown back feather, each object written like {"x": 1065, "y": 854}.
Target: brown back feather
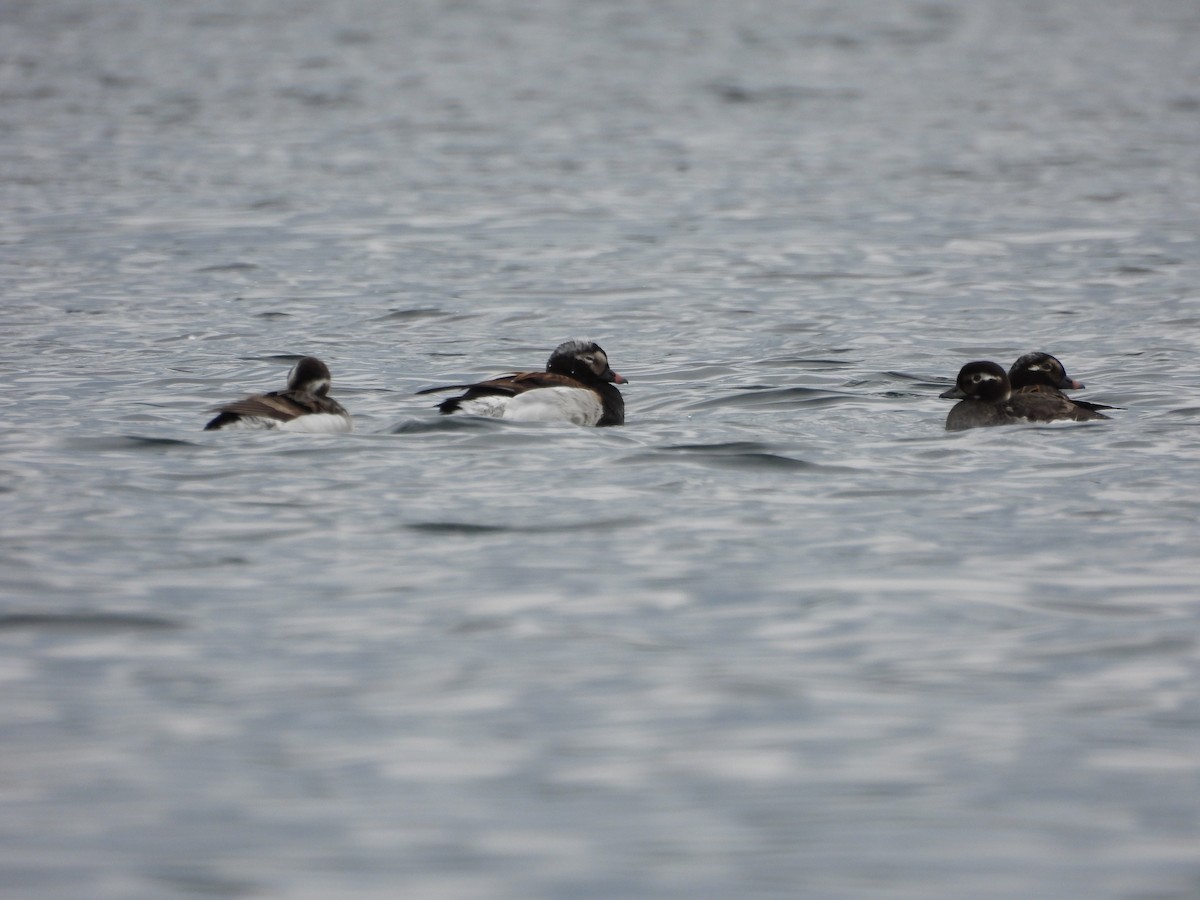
{"x": 280, "y": 405}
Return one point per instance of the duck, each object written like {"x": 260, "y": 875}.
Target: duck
{"x": 988, "y": 399}
{"x": 1044, "y": 374}
{"x": 578, "y": 386}
{"x": 304, "y": 405}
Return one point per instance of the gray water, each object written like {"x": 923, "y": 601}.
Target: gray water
{"x": 781, "y": 635}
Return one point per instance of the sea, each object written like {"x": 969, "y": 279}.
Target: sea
{"x": 781, "y": 635}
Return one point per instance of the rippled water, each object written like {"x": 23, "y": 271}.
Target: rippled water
{"x": 781, "y": 635}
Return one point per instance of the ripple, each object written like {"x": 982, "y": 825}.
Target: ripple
{"x": 780, "y": 632}
{"x": 764, "y": 396}
{"x": 88, "y": 622}
{"x": 554, "y": 527}
{"x": 411, "y": 315}
{"x": 103, "y": 443}
{"x": 744, "y": 455}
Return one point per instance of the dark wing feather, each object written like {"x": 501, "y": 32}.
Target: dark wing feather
{"x": 504, "y": 386}
{"x": 1094, "y": 407}
{"x": 443, "y": 387}
{"x": 527, "y": 381}
{"x": 520, "y": 382}
{"x": 1039, "y": 406}
{"x": 282, "y": 406}
{"x": 511, "y": 385}
{"x": 516, "y": 383}
{"x": 1046, "y": 390}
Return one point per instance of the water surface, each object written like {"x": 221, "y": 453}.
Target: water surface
{"x": 781, "y": 635}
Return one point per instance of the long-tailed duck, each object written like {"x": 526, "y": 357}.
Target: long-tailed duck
{"x": 305, "y": 405}
{"x": 577, "y": 387}
{"x": 1041, "y": 373}
{"x": 987, "y": 399}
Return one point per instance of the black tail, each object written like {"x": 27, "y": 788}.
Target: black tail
{"x": 1094, "y": 407}
{"x": 225, "y": 418}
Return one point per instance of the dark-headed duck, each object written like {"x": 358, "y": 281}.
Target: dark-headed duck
{"x": 305, "y": 405}
{"x": 1041, "y": 373}
{"x": 987, "y": 399}
{"x": 577, "y": 387}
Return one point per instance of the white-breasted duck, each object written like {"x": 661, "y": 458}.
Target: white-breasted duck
{"x": 577, "y": 387}
{"x": 304, "y": 406}
{"x": 1044, "y": 374}
{"x": 987, "y": 399}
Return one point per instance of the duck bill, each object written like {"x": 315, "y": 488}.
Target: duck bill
{"x": 955, "y": 393}
{"x": 614, "y": 377}
{"x": 1070, "y": 384}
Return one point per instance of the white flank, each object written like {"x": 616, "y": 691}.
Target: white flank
{"x": 552, "y": 404}
{"x": 251, "y": 423}
{"x": 318, "y": 423}
{"x": 493, "y": 407}
{"x": 556, "y": 404}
